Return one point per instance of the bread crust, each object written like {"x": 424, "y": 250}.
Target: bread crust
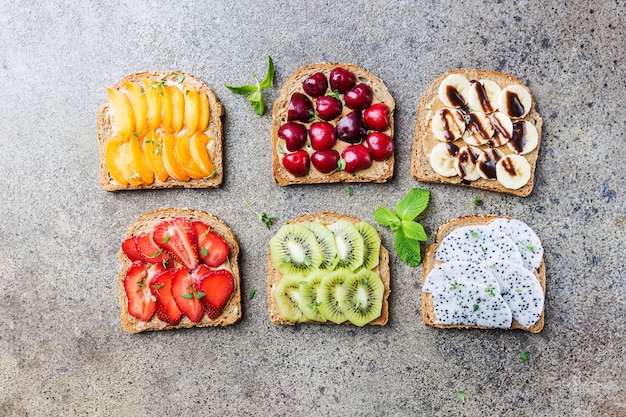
{"x": 379, "y": 172}
{"x": 424, "y": 141}
{"x": 428, "y": 310}
{"x": 326, "y": 218}
{"x": 145, "y": 223}
{"x": 104, "y": 125}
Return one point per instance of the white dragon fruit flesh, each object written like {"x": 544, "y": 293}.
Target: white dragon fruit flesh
{"x": 524, "y": 237}
{"x": 457, "y": 271}
{"x": 478, "y": 244}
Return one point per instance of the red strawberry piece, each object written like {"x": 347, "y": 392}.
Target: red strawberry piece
{"x": 212, "y": 248}
{"x": 186, "y": 297}
{"x": 129, "y": 247}
{"x": 217, "y": 285}
{"x": 136, "y": 285}
{"x": 178, "y": 237}
{"x": 161, "y": 289}
{"x": 150, "y": 251}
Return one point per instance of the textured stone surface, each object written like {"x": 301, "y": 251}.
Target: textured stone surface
{"x": 62, "y": 350}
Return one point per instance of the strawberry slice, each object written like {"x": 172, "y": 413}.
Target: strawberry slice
{"x": 150, "y": 251}
{"x": 161, "y": 288}
{"x": 185, "y": 295}
{"x": 179, "y": 237}
{"x": 218, "y": 286}
{"x": 212, "y": 248}
{"x": 138, "y": 276}
{"x": 129, "y": 247}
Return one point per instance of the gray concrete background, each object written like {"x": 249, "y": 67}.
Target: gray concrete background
{"x": 62, "y": 350}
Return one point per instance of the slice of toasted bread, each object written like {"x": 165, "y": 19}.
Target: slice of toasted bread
{"x": 106, "y": 131}
{"x": 428, "y": 311}
{"x": 378, "y": 172}
{"x": 145, "y": 223}
{"x": 326, "y": 218}
{"x": 424, "y": 140}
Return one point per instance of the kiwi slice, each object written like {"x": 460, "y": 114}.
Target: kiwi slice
{"x": 294, "y": 250}
{"x": 309, "y": 292}
{"x": 326, "y": 240}
{"x": 330, "y": 292}
{"x": 362, "y": 298}
{"x": 371, "y": 244}
{"x": 349, "y": 244}
{"x": 288, "y": 297}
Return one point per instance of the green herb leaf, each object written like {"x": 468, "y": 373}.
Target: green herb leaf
{"x": 475, "y": 234}
{"x": 461, "y": 396}
{"x": 518, "y": 290}
{"x": 490, "y": 290}
{"x": 187, "y": 296}
{"x": 454, "y": 286}
{"x": 475, "y": 306}
{"x": 341, "y": 165}
{"x": 408, "y": 249}
{"x": 153, "y": 298}
{"x": 252, "y": 294}
{"x": 264, "y": 217}
{"x": 141, "y": 284}
{"x": 530, "y": 247}
{"x": 413, "y": 204}
{"x": 166, "y": 239}
{"x": 268, "y": 81}
{"x": 180, "y": 78}
{"x": 523, "y": 355}
{"x": 475, "y": 203}
{"x": 414, "y": 230}
{"x": 243, "y": 90}
{"x": 200, "y": 294}
{"x": 257, "y": 102}
{"x": 254, "y": 90}
{"x": 429, "y": 107}
{"x": 350, "y": 192}
{"x": 204, "y": 251}
{"x": 386, "y": 217}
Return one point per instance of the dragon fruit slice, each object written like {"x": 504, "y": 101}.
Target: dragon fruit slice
{"x": 448, "y": 273}
{"x": 478, "y": 244}
{"x": 469, "y": 303}
{"x": 520, "y": 289}
{"x": 524, "y": 237}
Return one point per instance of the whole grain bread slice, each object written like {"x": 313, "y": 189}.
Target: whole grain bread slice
{"x": 326, "y": 218}
{"x": 428, "y": 310}
{"x": 145, "y": 223}
{"x": 379, "y": 171}
{"x": 105, "y": 130}
{"x": 424, "y": 141}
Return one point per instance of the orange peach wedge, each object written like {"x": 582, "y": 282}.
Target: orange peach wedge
{"x": 199, "y": 153}
{"x": 171, "y": 164}
{"x": 139, "y": 105}
{"x": 139, "y": 161}
{"x": 153, "y": 148}
{"x": 178, "y": 107}
{"x": 153, "y": 91}
{"x": 123, "y": 114}
{"x": 192, "y": 105}
{"x": 205, "y": 111}
{"x": 184, "y": 157}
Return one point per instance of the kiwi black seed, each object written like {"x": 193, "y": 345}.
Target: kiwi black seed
{"x": 331, "y": 290}
{"x": 294, "y": 250}
{"x": 371, "y": 244}
{"x": 349, "y": 244}
{"x": 326, "y": 240}
{"x": 362, "y": 298}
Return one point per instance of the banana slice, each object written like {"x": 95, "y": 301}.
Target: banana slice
{"x": 465, "y": 163}
{"x": 486, "y": 163}
{"x": 448, "y": 125}
{"x": 515, "y": 101}
{"x": 479, "y": 129}
{"x": 483, "y": 96}
{"x": 503, "y": 129}
{"x": 442, "y": 159}
{"x": 513, "y": 171}
{"x": 525, "y": 138}
{"x": 453, "y": 89}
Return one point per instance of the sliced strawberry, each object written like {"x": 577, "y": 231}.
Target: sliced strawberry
{"x": 179, "y": 237}
{"x": 129, "y": 247}
{"x": 218, "y": 286}
{"x": 140, "y": 304}
{"x": 150, "y": 251}
{"x": 161, "y": 288}
{"x": 212, "y": 248}
{"x": 187, "y": 298}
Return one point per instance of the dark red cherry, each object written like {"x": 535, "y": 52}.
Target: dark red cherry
{"x": 357, "y": 157}
{"x": 341, "y": 80}
{"x": 376, "y": 117}
{"x": 359, "y": 97}
{"x": 297, "y": 163}
{"x": 294, "y": 135}
{"x": 325, "y": 161}
{"x": 380, "y": 145}
{"x": 322, "y": 135}
{"x": 300, "y": 108}
{"x": 316, "y": 85}
{"x": 328, "y": 107}
{"x": 350, "y": 128}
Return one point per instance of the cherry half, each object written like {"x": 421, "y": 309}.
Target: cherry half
{"x": 328, "y": 107}
{"x": 316, "y": 85}
{"x": 325, "y": 161}
{"x": 376, "y": 117}
{"x": 294, "y": 134}
{"x": 350, "y": 128}
{"x": 322, "y": 135}
{"x": 359, "y": 97}
{"x": 357, "y": 157}
{"x": 297, "y": 163}
{"x": 380, "y": 145}
{"x": 341, "y": 80}
{"x": 300, "y": 108}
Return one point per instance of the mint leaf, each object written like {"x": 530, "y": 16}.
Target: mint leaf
{"x": 269, "y": 76}
{"x": 523, "y": 355}
{"x": 413, "y": 204}
{"x": 408, "y": 249}
{"x": 257, "y": 102}
{"x": 386, "y": 217}
{"x": 243, "y": 90}
{"x": 414, "y": 230}
{"x": 254, "y": 90}
{"x": 461, "y": 396}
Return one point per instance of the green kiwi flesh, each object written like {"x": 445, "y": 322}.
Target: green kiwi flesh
{"x": 362, "y": 297}
{"x": 326, "y": 240}
{"x": 331, "y": 290}
{"x": 294, "y": 250}
{"x": 371, "y": 244}
{"x": 288, "y": 297}
{"x": 349, "y": 244}
{"x": 309, "y": 295}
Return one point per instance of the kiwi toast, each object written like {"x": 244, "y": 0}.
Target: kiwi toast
{"x": 178, "y": 269}
{"x": 328, "y": 268}
{"x": 160, "y": 129}
{"x": 484, "y": 272}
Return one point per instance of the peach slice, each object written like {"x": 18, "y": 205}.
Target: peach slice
{"x": 154, "y": 91}
{"x": 139, "y": 104}
{"x": 184, "y": 157}
{"x": 178, "y": 107}
{"x": 127, "y": 165}
{"x": 199, "y": 153}
{"x": 168, "y": 110}
{"x": 205, "y": 111}
{"x": 170, "y": 162}
{"x": 112, "y": 154}
{"x": 192, "y": 106}
{"x": 153, "y": 148}
{"x": 123, "y": 114}
{"x": 139, "y": 160}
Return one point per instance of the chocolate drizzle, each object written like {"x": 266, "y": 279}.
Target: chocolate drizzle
{"x": 487, "y": 162}
{"x": 518, "y": 139}
{"x": 513, "y": 105}
{"x": 482, "y": 96}
{"x": 455, "y": 98}
{"x": 508, "y": 166}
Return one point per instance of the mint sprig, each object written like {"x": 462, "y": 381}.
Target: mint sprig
{"x": 253, "y": 91}
{"x": 409, "y": 233}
